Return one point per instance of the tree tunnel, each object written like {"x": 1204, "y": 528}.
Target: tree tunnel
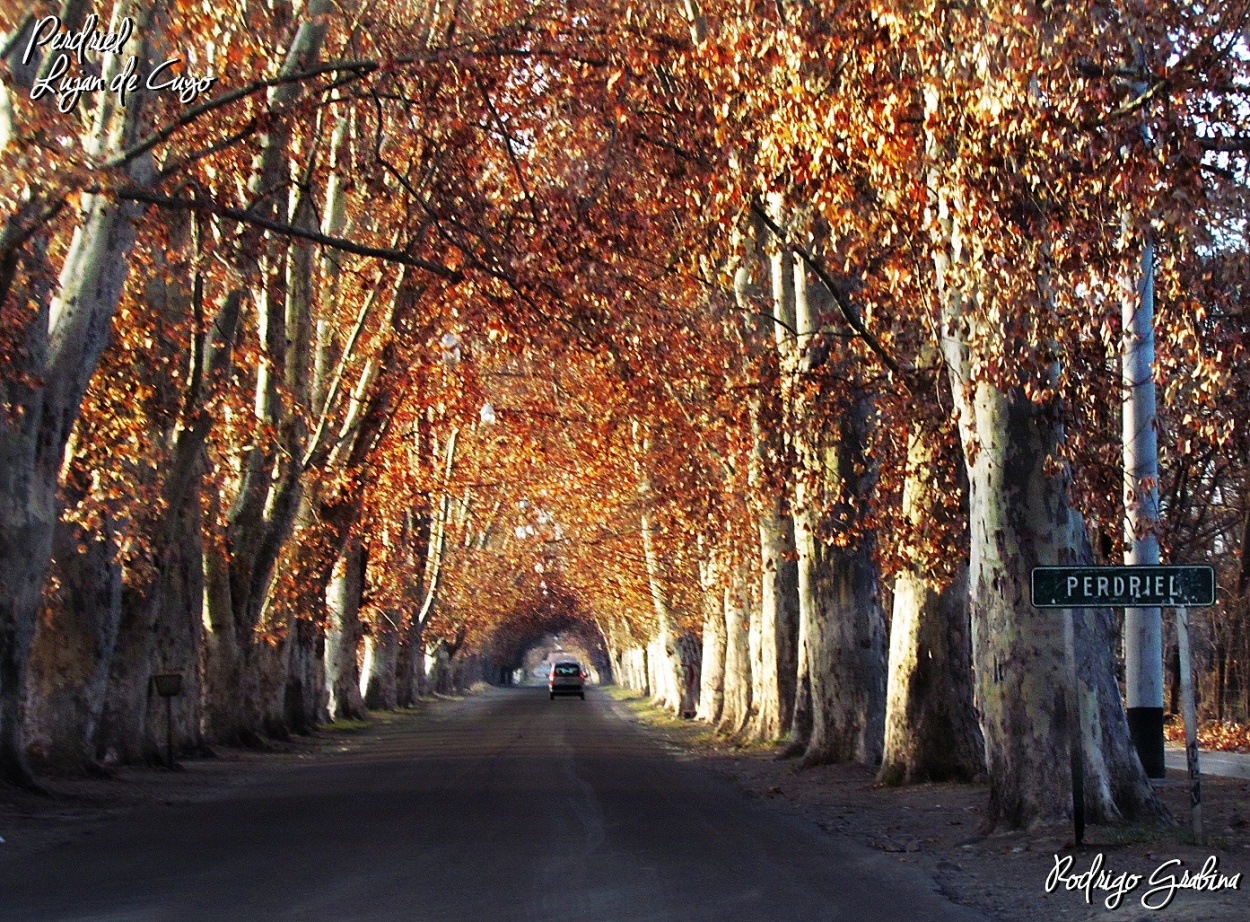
{"x": 566, "y": 327}
{"x": 552, "y": 624}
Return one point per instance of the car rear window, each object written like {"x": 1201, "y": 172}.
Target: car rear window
{"x": 568, "y": 669}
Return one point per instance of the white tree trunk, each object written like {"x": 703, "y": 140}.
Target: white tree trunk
{"x": 62, "y": 348}
{"x": 736, "y": 703}
{"x": 712, "y": 667}
{"x": 343, "y": 633}
{"x": 931, "y": 731}
{"x": 380, "y": 669}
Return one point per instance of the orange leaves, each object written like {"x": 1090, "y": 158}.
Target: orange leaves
{"x": 1218, "y": 736}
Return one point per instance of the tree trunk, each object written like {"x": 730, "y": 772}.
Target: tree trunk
{"x": 381, "y": 665}
{"x": 305, "y": 702}
{"x": 665, "y": 662}
{"x": 343, "y": 633}
{"x": 1115, "y": 784}
{"x": 179, "y": 623}
{"x": 845, "y": 626}
{"x": 773, "y": 685}
{"x": 60, "y": 350}
{"x": 72, "y": 651}
{"x": 931, "y": 729}
{"x": 1020, "y": 518}
{"x": 736, "y": 706}
{"x": 267, "y": 502}
{"x": 799, "y": 732}
{"x": 712, "y": 664}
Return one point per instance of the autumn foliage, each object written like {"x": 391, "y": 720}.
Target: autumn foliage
{"x": 484, "y": 304}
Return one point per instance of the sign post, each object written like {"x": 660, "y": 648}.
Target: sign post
{"x": 1179, "y": 587}
{"x": 1076, "y": 746}
{"x": 168, "y": 686}
{"x": 1190, "y": 708}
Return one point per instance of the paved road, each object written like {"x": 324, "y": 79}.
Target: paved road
{"x": 506, "y": 806}
{"x": 1224, "y": 764}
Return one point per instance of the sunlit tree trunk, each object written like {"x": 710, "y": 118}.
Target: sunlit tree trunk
{"x": 712, "y": 665}
{"x": 64, "y": 339}
{"x": 664, "y": 656}
{"x": 773, "y": 618}
{"x": 778, "y": 613}
{"x": 265, "y": 509}
{"x": 846, "y": 629}
{"x": 840, "y": 695}
{"x": 381, "y": 665}
{"x": 343, "y": 633}
{"x": 931, "y": 731}
{"x": 1020, "y": 517}
{"x": 736, "y": 703}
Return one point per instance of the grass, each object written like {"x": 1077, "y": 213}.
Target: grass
{"x": 351, "y": 725}
{"x": 694, "y": 733}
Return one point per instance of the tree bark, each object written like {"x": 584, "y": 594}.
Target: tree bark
{"x": 931, "y": 729}
{"x": 63, "y": 341}
{"x": 343, "y": 633}
{"x": 712, "y": 662}
{"x": 664, "y": 658}
{"x": 72, "y": 651}
{"x": 736, "y": 704}
{"x": 773, "y": 684}
{"x": 845, "y": 628}
{"x": 381, "y": 665}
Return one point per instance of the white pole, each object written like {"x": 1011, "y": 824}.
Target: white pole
{"x": 1190, "y": 708}
{"x": 1143, "y": 627}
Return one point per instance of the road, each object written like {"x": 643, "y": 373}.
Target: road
{"x": 1224, "y": 764}
{"x": 503, "y": 806}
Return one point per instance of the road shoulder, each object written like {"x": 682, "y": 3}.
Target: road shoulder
{"x": 935, "y": 828}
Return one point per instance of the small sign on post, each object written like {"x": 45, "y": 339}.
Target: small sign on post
{"x": 168, "y": 686}
{"x": 1179, "y": 587}
{"x": 1123, "y": 587}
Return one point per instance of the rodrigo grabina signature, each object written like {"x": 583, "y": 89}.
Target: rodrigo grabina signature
{"x": 1163, "y": 883}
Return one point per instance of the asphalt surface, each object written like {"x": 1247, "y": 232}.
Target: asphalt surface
{"x": 506, "y": 806}
{"x": 1224, "y": 764}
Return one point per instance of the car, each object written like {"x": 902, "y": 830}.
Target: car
{"x": 566, "y": 678}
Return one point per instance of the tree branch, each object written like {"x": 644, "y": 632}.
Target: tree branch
{"x": 243, "y": 216}
{"x": 848, "y": 310}
{"x": 359, "y": 69}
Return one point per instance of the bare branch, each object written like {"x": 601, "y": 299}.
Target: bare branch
{"x": 289, "y": 230}
{"x": 848, "y": 310}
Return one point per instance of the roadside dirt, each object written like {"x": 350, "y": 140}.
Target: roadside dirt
{"x": 936, "y": 827}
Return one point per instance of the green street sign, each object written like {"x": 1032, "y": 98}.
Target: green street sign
{"x": 1123, "y": 587}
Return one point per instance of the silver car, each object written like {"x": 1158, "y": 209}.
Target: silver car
{"x": 566, "y": 678}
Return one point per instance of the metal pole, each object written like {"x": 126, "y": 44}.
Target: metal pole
{"x": 1190, "y": 708}
{"x": 1076, "y": 749}
{"x": 1143, "y": 627}
{"x": 169, "y": 732}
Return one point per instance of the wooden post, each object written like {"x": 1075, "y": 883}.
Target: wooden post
{"x": 1190, "y": 708}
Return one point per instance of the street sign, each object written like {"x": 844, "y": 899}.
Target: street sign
{"x": 1123, "y": 587}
